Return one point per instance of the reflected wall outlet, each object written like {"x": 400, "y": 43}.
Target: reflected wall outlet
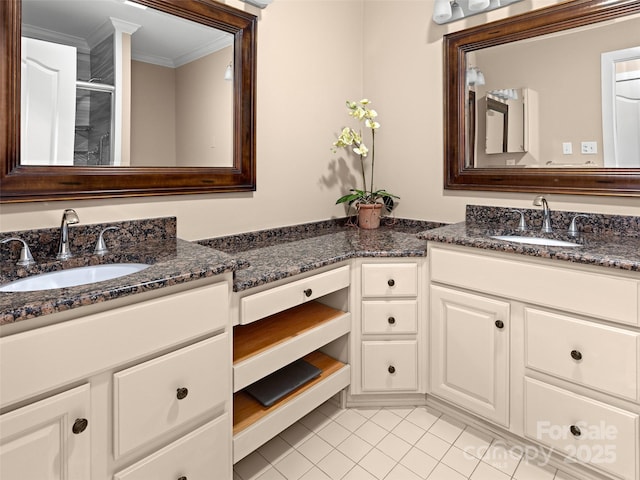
{"x": 567, "y": 148}
{"x": 589, "y": 148}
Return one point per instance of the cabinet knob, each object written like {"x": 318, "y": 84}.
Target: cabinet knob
{"x": 576, "y": 355}
{"x": 182, "y": 478}
{"x": 391, "y": 282}
{"x": 80, "y": 425}
{"x": 575, "y": 430}
{"x": 391, "y": 320}
{"x": 308, "y": 292}
{"x": 500, "y": 324}
{"x": 391, "y": 369}
{"x": 182, "y": 392}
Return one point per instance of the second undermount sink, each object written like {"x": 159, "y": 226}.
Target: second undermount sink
{"x": 73, "y": 277}
{"x": 548, "y": 242}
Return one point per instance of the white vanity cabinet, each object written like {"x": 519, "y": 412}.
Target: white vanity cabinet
{"x": 134, "y": 388}
{"x": 277, "y": 324}
{"x": 48, "y": 439}
{"x": 569, "y": 350}
{"x": 389, "y": 340}
{"x": 470, "y": 351}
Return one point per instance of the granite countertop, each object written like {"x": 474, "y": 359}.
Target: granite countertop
{"x": 173, "y": 261}
{"x": 272, "y": 255}
{"x": 604, "y": 241}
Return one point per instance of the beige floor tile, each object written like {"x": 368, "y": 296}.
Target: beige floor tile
{"x": 502, "y": 457}
{"x": 335, "y": 465}
{"x": 443, "y": 472}
{"x": 419, "y": 462}
{"x": 473, "y": 442}
{"x": 358, "y": 473}
{"x": 354, "y": 447}
{"x": 350, "y": 420}
{"x": 394, "y": 446}
{"x": 386, "y": 419}
{"x": 333, "y": 433}
{"x": 447, "y": 428}
{"x": 460, "y": 461}
{"x": 423, "y": 417}
{"x": 400, "y": 472}
{"x": 371, "y": 433}
{"x": 377, "y": 463}
{"x": 251, "y": 466}
{"x": 408, "y": 431}
{"x": 486, "y": 472}
{"x": 315, "y": 474}
{"x": 434, "y": 446}
{"x": 531, "y": 469}
{"x": 293, "y": 466}
{"x": 314, "y": 449}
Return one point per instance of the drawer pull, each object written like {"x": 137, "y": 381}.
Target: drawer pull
{"x": 500, "y": 324}
{"x": 182, "y": 393}
{"x": 308, "y": 292}
{"x": 576, "y": 355}
{"x": 391, "y": 320}
{"x": 391, "y": 282}
{"x": 80, "y": 425}
{"x": 575, "y": 431}
{"x": 391, "y": 369}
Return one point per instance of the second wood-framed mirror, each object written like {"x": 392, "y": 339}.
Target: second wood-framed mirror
{"x": 462, "y": 169}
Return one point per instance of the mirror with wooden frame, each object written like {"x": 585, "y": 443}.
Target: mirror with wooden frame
{"x": 22, "y": 181}
{"x": 462, "y": 170}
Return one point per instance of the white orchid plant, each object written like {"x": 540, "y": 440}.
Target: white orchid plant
{"x": 352, "y": 138}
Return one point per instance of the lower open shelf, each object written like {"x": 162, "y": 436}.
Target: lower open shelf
{"x": 254, "y": 424}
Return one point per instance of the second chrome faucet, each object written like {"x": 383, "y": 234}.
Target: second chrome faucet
{"x": 540, "y": 201}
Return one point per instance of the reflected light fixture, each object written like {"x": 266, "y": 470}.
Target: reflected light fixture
{"x": 445, "y": 11}
{"x": 258, "y": 3}
{"x": 228, "y": 72}
{"x": 474, "y": 76}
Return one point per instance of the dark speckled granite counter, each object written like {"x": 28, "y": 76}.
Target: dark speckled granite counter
{"x": 605, "y": 240}
{"x": 173, "y": 261}
{"x": 276, "y": 254}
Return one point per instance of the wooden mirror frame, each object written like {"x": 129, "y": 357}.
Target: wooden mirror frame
{"x": 20, "y": 183}
{"x": 583, "y": 181}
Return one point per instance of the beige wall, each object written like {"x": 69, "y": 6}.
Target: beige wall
{"x": 153, "y": 114}
{"x": 312, "y": 56}
{"x": 204, "y": 112}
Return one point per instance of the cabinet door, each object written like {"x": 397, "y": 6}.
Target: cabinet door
{"x": 47, "y": 440}
{"x": 470, "y": 352}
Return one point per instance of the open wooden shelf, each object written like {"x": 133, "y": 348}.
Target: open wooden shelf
{"x": 257, "y": 337}
{"x": 247, "y": 410}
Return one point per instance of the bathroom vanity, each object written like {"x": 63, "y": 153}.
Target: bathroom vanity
{"x": 146, "y": 376}
{"x": 542, "y": 346}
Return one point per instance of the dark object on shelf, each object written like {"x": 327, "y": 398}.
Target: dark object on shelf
{"x": 273, "y": 387}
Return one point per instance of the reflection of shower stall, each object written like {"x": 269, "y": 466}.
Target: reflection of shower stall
{"x": 94, "y": 123}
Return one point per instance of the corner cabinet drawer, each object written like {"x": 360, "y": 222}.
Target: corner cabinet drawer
{"x": 594, "y": 355}
{"x": 203, "y": 453}
{"x": 390, "y": 317}
{"x": 389, "y": 366}
{"x": 583, "y": 429}
{"x": 390, "y": 280}
{"x": 259, "y": 305}
{"x": 156, "y": 396}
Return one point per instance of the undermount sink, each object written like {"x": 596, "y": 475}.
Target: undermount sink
{"x": 73, "y": 277}
{"x": 549, "y": 242}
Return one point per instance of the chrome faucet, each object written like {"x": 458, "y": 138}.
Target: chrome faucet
{"x": 69, "y": 217}
{"x": 25, "y": 253}
{"x": 546, "y": 213}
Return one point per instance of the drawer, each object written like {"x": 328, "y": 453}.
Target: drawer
{"x": 553, "y": 284}
{"x": 203, "y": 453}
{"x": 149, "y": 399}
{"x": 70, "y": 347}
{"x": 597, "y": 356}
{"x": 390, "y": 317}
{"x": 605, "y": 437}
{"x": 389, "y": 365}
{"x": 260, "y": 305}
{"x": 390, "y": 280}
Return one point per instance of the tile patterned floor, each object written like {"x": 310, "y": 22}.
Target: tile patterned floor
{"x": 389, "y": 444}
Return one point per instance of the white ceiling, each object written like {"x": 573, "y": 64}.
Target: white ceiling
{"x": 161, "y": 39}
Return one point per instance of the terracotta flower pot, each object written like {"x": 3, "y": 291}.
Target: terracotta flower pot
{"x": 369, "y": 215}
